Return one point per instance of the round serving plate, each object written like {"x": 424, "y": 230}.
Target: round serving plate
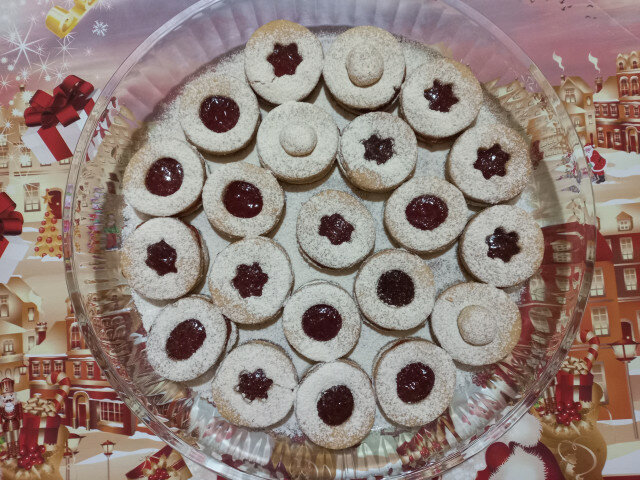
{"x": 484, "y": 407}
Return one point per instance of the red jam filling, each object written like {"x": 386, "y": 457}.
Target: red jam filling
{"x": 502, "y": 244}
{"x": 377, "y": 149}
{"x": 335, "y": 405}
{"x": 164, "y": 177}
{"x": 321, "y": 322}
{"x": 395, "y": 288}
{"x": 335, "y": 228}
{"x": 426, "y": 212}
{"x": 219, "y": 114}
{"x": 285, "y": 59}
{"x": 242, "y": 199}
{"x": 254, "y": 385}
{"x": 249, "y": 280}
{"x": 492, "y": 161}
{"x": 162, "y": 258}
{"x": 440, "y": 96}
{"x": 185, "y": 339}
{"x": 414, "y": 382}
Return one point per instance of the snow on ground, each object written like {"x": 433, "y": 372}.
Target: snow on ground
{"x": 143, "y": 453}
{"x": 622, "y": 421}
{"x": 622, "y": 459}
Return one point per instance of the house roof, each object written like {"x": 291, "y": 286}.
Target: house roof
{"x": 7, "y": 328}
{"x": 609, "y": 91}
{"x": 608, "y": 214}
{"x": 19, "y": 288}
{"x": 573, "y": 109}
{"x": 55, "y": 343}
{"x": 580, "y": 83}
{"x": 603, "y": 251}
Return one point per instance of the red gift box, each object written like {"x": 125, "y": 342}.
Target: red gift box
{"x": 166, "y": 460}
{"x": 573, "y": 387}
{"x": 37, "y": 430}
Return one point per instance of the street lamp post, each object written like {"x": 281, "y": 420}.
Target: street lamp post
{"x": 107, "y": 448}
{"x": 625, "y": 351}
{"x": 23, "y": 369}
{"x": 73, "y": 442}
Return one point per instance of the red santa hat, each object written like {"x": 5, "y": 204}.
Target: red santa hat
{"x": 6, "y": 386}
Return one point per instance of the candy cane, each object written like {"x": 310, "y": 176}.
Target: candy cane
{"x": 587, "y": 336}
{"x": 64, "y": 385}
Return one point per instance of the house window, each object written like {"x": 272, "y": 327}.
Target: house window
{"x": 111, "y": 412}
{"x": 65, "y": 161}
{"x": 537, "y": 288}
{"x": 600, "y": 136}
{"x": 58, "y": 365}
{"x": 614, "y": 109}
{"x": 562, "y": 257}
{"x": 624, "y": 87}
{"x": 576, "y": 121}
{"x": 35, "y": 369}
{"x": 597, "y": 285}
{"x": 563, "y": 271}
{"x": 627, "y": 111}
{"x": 89, "y": 369}
{"x": 600, "y": 320}
{"x": 588, "y": 101}
{"x": 570, "y": 95}
{"x": 46, "y": 367}
{"x": 627, "y": 330}
{"x": 25, "y": 160}
{"x": 616, "y": 136}
{"x": 636, "y": 110}
{"x": 626, "y": 248}
{"x": 624, "y": 224}
{"x": 7, "y": 347}
{"x": 635, "y": 89}
{"x": 630, "y": 279}
{"x": 562, "y": 283}
{"x": 4, "y": 306}
{"x": 75, "y": 337}
{"x": 31, "y": 341}
{"x": 597, "y": 370}
{"x": 590, "y": 119}
{"x": 620, "y": 66}
{"x": 561, "y": 246}
{"x": 32, "y": 197}
{"x": 31, "y": 314}
{"x": 77, "y": 369}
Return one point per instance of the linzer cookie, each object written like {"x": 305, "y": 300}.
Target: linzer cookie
{"x": 395, "y": 289}
{"x": 255, "y": 385}
{"x": 335, "y": 404}
{"x": 242, "y": 200}
{"x": 164, "y": 258}
{"x": 218, "y": 113}
{"x": 489, "y": 163}
{"x": 298, "y": 142}
{"x": 502, "y": 245}
{"x": 321, "y": 321}
{"x": 414, "y": 381}
{"x": 251, "y": 279}
{"x": 187, "y": 338}
{"x": 364, "y": 69}
{"x": 283, "y": 61}
{"x": 425, "y": 214}
{"x": 335, "y": 230}
{"x": 476, "y": 323}
{"x": 378, "y": 151}
{"x": 164, "y": 178}
{"x": 440, "y": 98}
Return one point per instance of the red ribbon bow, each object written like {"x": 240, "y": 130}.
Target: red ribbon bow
{"x": 10, "y": 220}
{"x": 68, "y": 97}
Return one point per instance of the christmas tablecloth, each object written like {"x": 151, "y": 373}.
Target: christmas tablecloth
{"x": 77, "y": 426}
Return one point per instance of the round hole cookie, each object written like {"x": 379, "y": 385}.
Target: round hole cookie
{"x": 187, "y": 338}
{"x": 440, "y": 98}
{"x": 502, "y": 245}
{"x": 218, "y": 113}
{"x": 164, "y": 258}
{"x": 425, "y": 214}
{"x": 283, "y": 61}
{"x": 164, "y": 178}
{"x": 414, "y": 381}
{"x": 395, "y": 289}
{"x": 335, "y": 230}
{"x": 378, "y": 151}
{"x": 489, "y": 163}
{"x": 476, "y": 323}
{"x": 298, "y": 142}
{"x": 364, "y": 68}
{"x": 242, "y": 200}
{"x": 321, "y": 321}
{"x": 255, "y": 385}
{"x": 335, "y": 404}
{"x": 250, "y": 280}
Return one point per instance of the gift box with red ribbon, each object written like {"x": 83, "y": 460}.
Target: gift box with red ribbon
{"x": 11, "y": 250}
{"x": 573, "y": 387}
{"x": 56, "y": 121}
{"x": 165, "y": 464}
{"x": 39, "y": 430}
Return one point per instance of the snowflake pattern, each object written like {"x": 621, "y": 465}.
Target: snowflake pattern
{"x": 22, "y": 47}
{"x": 99, "y": 28}
{"x": 5, "y": 83}
{"x": 104, "y": 5}
{"x": 64, "y": 48}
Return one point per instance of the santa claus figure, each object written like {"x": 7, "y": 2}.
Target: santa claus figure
{"x": 596, "y": 161}
{"x": 11, "y": 414}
